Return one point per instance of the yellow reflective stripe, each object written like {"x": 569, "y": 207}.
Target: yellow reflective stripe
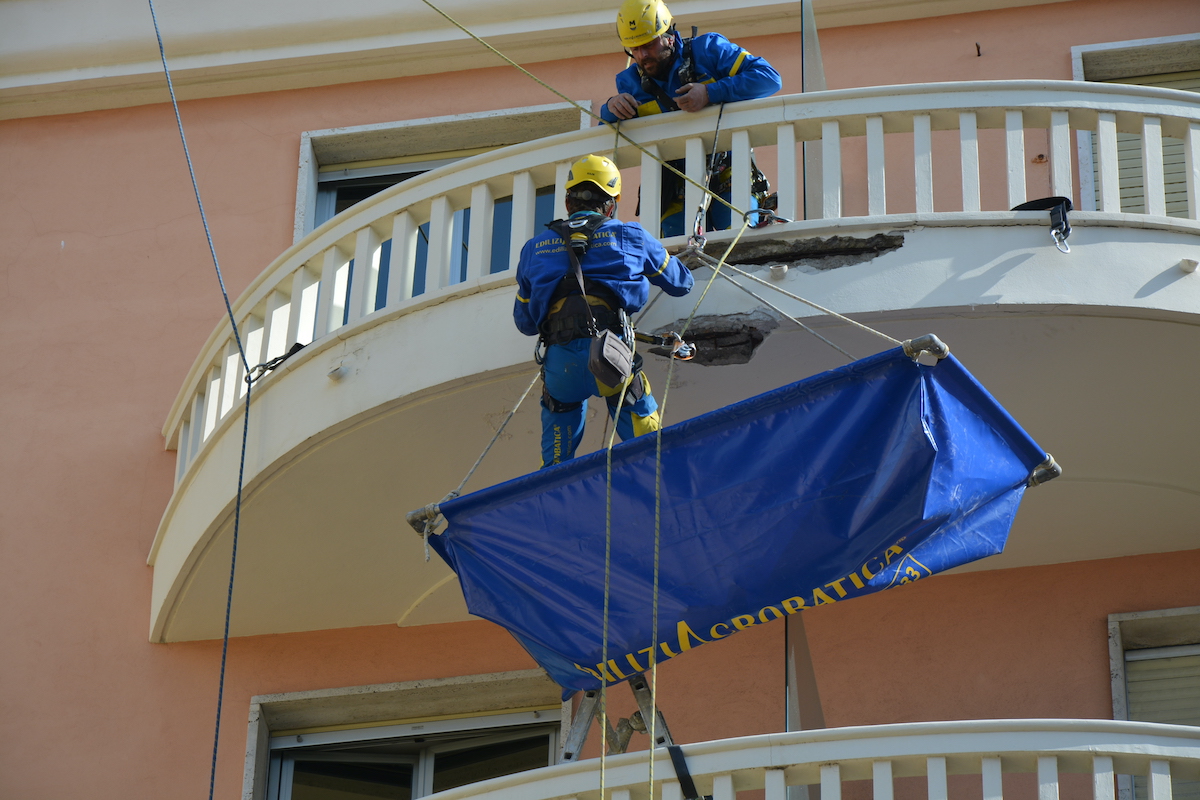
{"x": 666, "y": 261}
{"x": 522, "y": 299}
{"x": 648, "y": 108}
{"x": 738, "y": 64}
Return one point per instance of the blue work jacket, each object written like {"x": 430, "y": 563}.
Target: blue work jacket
{"x": 622, "y": 256}
{"x": 730, "y": 73}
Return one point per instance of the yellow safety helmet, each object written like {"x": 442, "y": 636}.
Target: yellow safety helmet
{"x": 598, "y": 170}
{"x": 640, "y": 21}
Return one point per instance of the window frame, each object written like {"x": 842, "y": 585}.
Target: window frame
{"x": 411, "y": 708}
{"x": 1107, "y": 61}
{"x": 444, "y": 139}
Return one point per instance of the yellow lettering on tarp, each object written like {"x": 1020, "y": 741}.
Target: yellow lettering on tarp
{"x": 762, "y": 614}
{"x": 683, "y": 632}
{"x": 591, "y": 672}
{"x": 908, "y": 570}
{"x": 837, "y": 587}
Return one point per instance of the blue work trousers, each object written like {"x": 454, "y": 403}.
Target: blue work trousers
{"x": 569, "y": 382}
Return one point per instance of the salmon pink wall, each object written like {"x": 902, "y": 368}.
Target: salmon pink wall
{"x": 1007, "y": 644}
{"x": 108, "y": 294}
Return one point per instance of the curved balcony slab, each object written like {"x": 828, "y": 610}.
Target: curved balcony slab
{"x": 390, "y": 412}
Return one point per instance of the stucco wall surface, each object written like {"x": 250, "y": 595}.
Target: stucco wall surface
{"x": 107, "y": 295}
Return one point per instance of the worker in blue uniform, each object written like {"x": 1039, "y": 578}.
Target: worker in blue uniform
{"x": 619, "y": 262}
{"x": 669, "y": 73}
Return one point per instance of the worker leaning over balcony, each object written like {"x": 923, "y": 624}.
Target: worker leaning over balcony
{"x": 670, "y": 73}
{"x": 619, "y": 262}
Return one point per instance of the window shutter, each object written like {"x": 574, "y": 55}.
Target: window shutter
{"x": 1129, "y": 153}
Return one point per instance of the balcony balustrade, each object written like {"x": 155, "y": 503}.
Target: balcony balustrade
{"x": 1042, "y": 759}
{"x": 311, "y": 291}
{"x": 357, "y": 286}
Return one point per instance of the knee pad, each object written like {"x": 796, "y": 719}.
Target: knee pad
{"x": 557, "y": 406}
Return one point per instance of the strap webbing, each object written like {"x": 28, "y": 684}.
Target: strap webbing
{"x": 686, "y": 784}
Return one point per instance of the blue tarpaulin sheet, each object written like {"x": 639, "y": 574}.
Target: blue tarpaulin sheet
{"x": 872, "y": 475}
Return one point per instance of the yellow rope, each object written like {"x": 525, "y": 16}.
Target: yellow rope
{"x": 616, "y": 128}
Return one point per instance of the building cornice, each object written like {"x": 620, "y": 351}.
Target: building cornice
{"x": 108, "y": 57}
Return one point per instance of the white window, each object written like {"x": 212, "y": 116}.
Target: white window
{"x": 1171, "y": 62}
{"x": 343, "y": 166}
{"x": 402, "y": 740}
{"x": 1155, "y": 665}
{"x": 408, "y": 760}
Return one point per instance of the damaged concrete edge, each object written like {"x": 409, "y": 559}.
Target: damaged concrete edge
{"x": 817, "y": 252}
{"x": 726, "y": 339}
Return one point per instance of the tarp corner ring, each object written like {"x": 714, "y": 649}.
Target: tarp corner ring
{"x": 913, "y": 348}
{"x": 1048, "y": 470}
{"x": 423, "y": 515}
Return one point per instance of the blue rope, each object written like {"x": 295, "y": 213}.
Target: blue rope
{"x": 237, "y": 513}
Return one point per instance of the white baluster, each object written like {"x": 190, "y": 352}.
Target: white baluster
{"x": 1014, "y": 139}
{"x": 1191, "y": 166}
{"x": 740, "y": 191}
{"x": 671, "y": 790}
{"x": 723, "y": 787}
{"x": 787, "y": 183}
{"x": 479, "y": 243}
{"x": 1153, "y": 186}
{"x": 831, "y": 178}
{"x": 775, "y": 780}
{"x": 881, "y": 777}
{"x": 1160, "y": 781}
{"x": 935, "y": 776}
{"x": 619, "y": 794}
{"x": 231, "y": 377}
{"x": 560, "y": 189}
{"x": 197, "y": 422}
{"x": 252, "y": 340}
{"x": 302, "y": 316}
{"x": 651, "y": 199}
{"x": 831, "y": 782}
{"x": 697, "y": 163}
{"x": 1106, "y": 154}
{"x": 876, "y": 175}
{"x": 1060, "y": 154}
{"x": 968, "y": 138}
{"x": 1102, "y": 778}
{"x": 403, "y": 258}
{"x": 330, "y": 305}
{"x": 439, "y": 266}
{"x": 181, "y": 450}
{"x": 276, "y": 321}
{"x": 923, "y": 162}
{"x": 212, "y": 394}
{"x": 993, "y": 779}
{"x": 366, "y": 274}
{"x": 1047, "y": 777}
{"x": 524, "y": 212}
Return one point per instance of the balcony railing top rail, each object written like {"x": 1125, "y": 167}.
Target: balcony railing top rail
{"x": 377, "y": 257}
{"x": 1047, "y": 749}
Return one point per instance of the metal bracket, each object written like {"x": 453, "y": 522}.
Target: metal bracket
{"x": 616, "y": 739}
{"x": 1048, "y": 470}
{"x": 913, "y": 348}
